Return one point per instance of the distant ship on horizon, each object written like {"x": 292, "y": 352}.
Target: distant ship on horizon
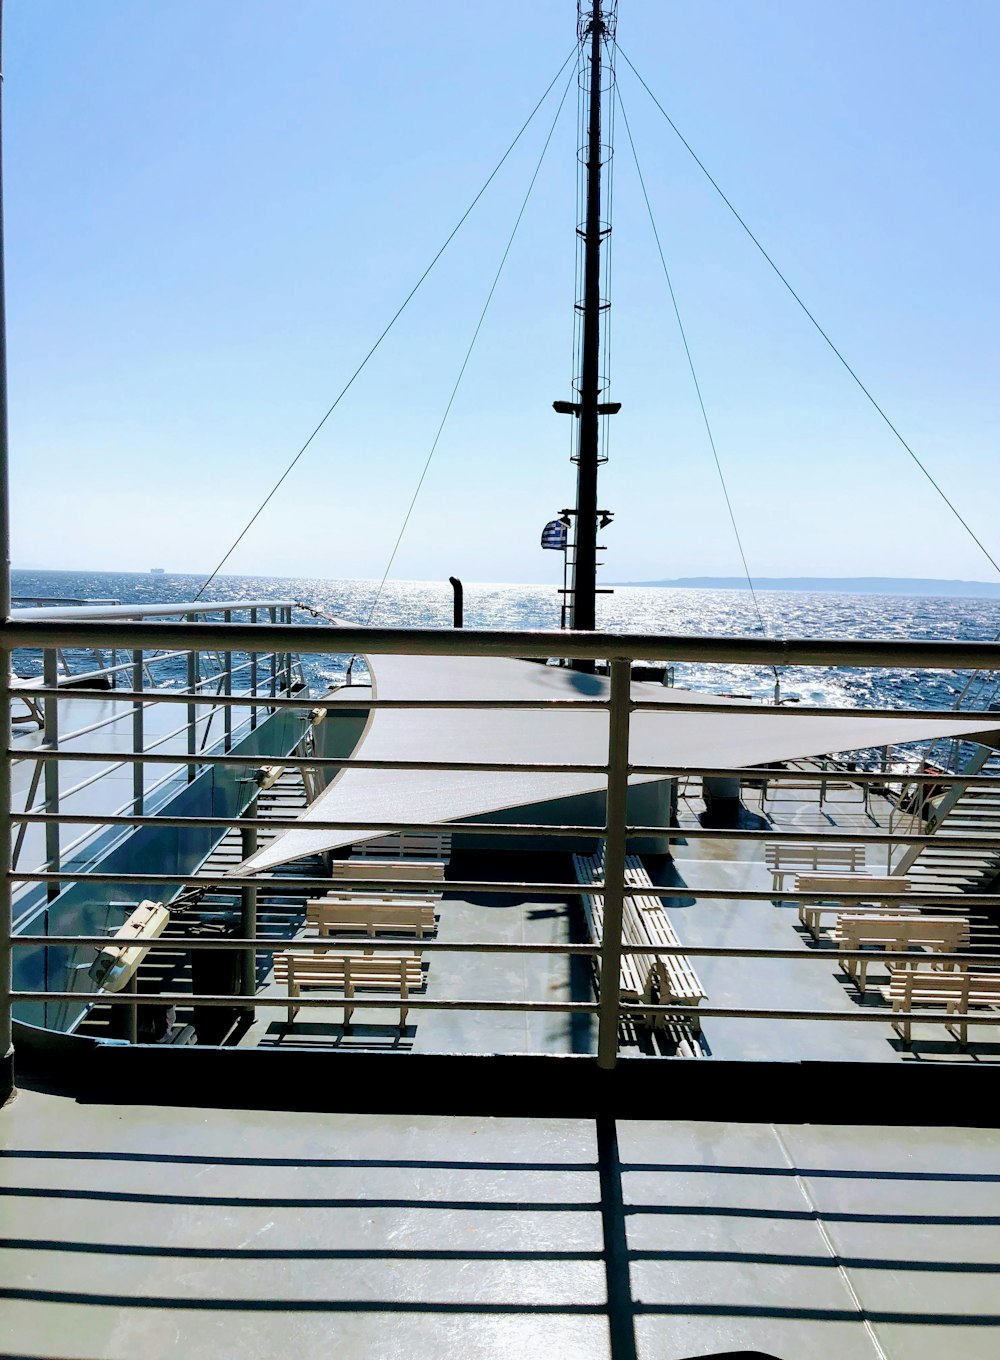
{"x": 157, "y": 571}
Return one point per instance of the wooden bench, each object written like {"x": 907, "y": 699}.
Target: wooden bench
{"x": 782, "y": 859}
{"x": 649, "y": 978}
{"x": 371, "y": 915}
{"x": 897, "y": 933}
{"x": 349, "y": 974}
{"x": 430, "y": 870}
{"x": 956, "y": 992}
{"x": 635, "y": 983}
{"x": 832, "y": 885}
{"x": 405, "y": 845}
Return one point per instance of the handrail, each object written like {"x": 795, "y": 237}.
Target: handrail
{"x": 536, "y": 644}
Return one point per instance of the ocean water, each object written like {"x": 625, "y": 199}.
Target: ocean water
{"x": 631, "y": 609}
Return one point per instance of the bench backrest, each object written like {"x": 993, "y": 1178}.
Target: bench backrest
{"x": 334, "y": 968}
{"x": 324, "y": 913}
{"x": 853, "y": 856}
{"x": 949, "y": 986}
{"x": 431, "y": 869}
{"x": 405, "y": 844}
{"x": 870, "y": 884}
{"x": 950, "y": 932}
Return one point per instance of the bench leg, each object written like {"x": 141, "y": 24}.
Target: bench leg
{"x": 293, "y": 991}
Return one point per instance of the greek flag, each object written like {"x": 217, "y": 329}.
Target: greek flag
{"x": 554, "y": 535}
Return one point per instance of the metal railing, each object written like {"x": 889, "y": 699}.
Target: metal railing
{"x": 283, "y": 640}
{"x": 202, "y": 679}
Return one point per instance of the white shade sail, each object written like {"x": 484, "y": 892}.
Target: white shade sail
{"x": 713, "y": 738}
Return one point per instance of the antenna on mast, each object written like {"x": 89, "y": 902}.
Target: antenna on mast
{"x": 596, "y": 23}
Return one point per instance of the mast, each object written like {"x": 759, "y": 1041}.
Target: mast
{"x": 596, "y": 26}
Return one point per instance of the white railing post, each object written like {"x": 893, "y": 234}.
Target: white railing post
{"x": 248, "y": 908}
{"x": 614, "y": 862}
{"x": 138, "y": 736}
{"x": 192, "y": 708}
{"x": 227, "y": 712}
{"x": 6, "y": 894}
{"x": 50, "y": 730}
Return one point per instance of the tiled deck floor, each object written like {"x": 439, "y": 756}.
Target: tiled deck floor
{"x": 138, "y": 1231}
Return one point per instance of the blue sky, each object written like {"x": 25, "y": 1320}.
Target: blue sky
{"x": 213, "y": 209}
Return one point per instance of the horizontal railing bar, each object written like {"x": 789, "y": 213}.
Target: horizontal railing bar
{"x": 331, "y": 704}
{"x": 76, "y": 690}
{"x": 873, "y": 1015}
{"x": 299, "y": 762}
{"x": 756, "y": 773}
{"x": 282, "y": 1002}
{"x": 862, "y": 1015}
{"x": 673, "y": 833}
{"x": 66, "y": 691}
{"x": 92, "y": 612}
{"x": 458, "y": 888}
{"x": 542, "y": 644}
{"x": 269, "y": 944}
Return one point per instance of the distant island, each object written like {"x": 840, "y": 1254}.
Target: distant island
{"x": 842, "y": 585}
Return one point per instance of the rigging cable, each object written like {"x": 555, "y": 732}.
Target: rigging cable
{"x": 704, "y": 169}
{"x": 694, "y": 379}
{"x": 405, "y": 303}
{"x": 468, "y": 352}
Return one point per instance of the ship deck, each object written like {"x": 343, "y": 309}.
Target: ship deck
{"x": 140, "y": 1230}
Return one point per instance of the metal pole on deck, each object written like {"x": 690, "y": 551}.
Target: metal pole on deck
{"x": 614, "y": 862}
{"x": 248, "y": 910}
{"x": 6, "y": 1040}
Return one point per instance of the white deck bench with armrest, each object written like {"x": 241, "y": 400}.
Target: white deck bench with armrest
{"x": 832, "y": 885}
{"x": 406, "y": 845}
{"x": 786, "y": 857}
{"x": 653, "y": 978}
{"x": 397, "y": 974}
{"x": 896, "y": 933}
{"x": 431, "y": 870}
{"x": 957, "y": 992}
{"x": 372, "y": 915}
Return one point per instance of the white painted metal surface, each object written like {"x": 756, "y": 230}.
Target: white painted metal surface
{"x": 546, "y": 735}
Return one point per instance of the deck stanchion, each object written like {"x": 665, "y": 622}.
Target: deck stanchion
{"x": 614, "y": 862}
{"x": 50, "y": 731}
{"x": 132, "y": 987}
{"x": 253, "y": 677}
{"x": 138, "y": 736}
{"x": 273, "y": 616}
{"x": 192, "y": 708}
{"x": 227, "y": 712}
{"x": 248, "y": 910}
{"x": 6, "y": 831}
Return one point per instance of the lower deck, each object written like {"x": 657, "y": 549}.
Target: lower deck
{"x": 816, "y": 982}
